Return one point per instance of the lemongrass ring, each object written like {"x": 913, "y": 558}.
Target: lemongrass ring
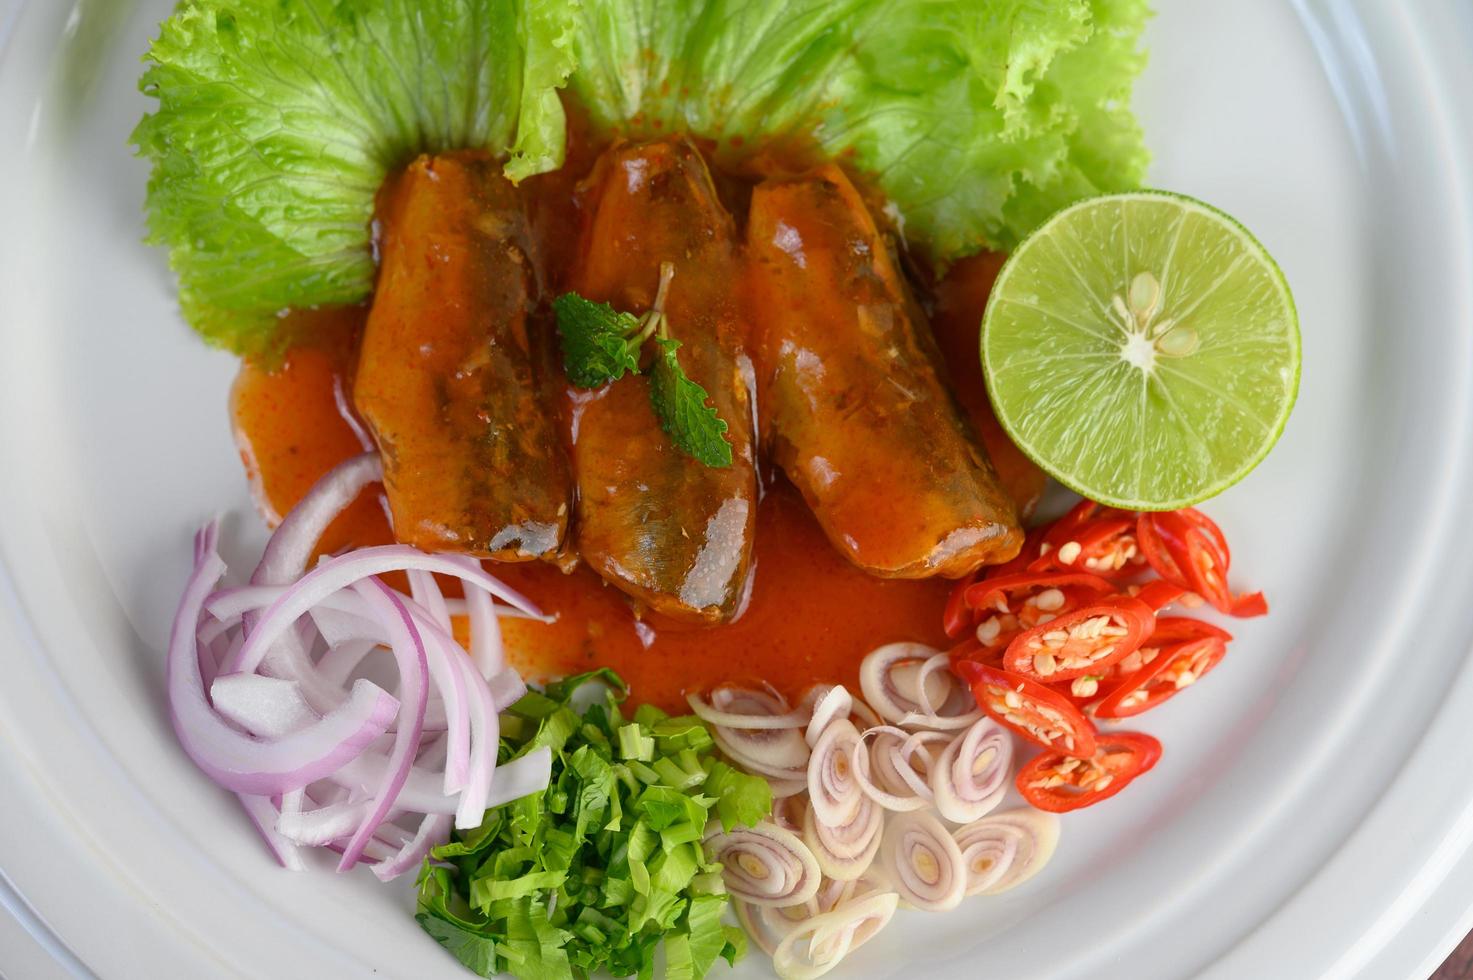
{"x": 820, "y": 944}
{"x": 957, "y": 708}
{"x": 970, "y": 777}
{"x": 1003, "y": 850}
{"x": 890, "y": 776}
{"x": 833, "y": 791}
{"x": 778, "y": 754}
{"x": 845, "y": 851}
{"x": 743, "y": 708}
{"x": 865, "y": 714}
{"x": 877, "y": 683}
{"x": 763, "y": 924}
{"x": 829, "y": 705}
{"x": 923, "y": 862}
{"x": 765, "y": 865}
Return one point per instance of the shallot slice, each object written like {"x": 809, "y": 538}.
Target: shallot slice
{"x": 923, "y": 862}
{"x": 765, "y": 865}
{"x": 970, "y": 778}
{"x": 1003, "y": 850}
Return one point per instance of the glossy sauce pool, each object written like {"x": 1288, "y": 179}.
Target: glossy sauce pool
{"x": 810, "y": 618}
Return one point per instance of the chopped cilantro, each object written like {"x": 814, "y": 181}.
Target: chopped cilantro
{"x": 604, "y": 866}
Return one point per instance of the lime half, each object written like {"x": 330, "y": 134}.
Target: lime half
{"x": 1142, "y": 349}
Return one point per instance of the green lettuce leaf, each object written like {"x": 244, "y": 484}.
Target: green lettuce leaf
{"x": 977, "y": 118}
{"x": 279, "y": 119}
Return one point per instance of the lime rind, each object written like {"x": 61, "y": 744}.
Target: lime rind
{"x": 1222, "y": 381}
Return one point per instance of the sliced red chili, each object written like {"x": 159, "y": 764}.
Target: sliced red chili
{"x": 1030, "y": 709}
{"x": 1247, "y": 604}
{"x": 972, "y": 650}
{"x": 1207, "y": 525}
{"x": 1008, "y": 605}
{"x": 1185, "y": 547}
{"x": 1024, "y": 557}
{"x": 1175, "y": 668}
{"x": 1149, "y": 540}
{"x": 956, "y": 618}
{"x": 1104, "y": 546}
{"x": 1058, "y": 783}
{"x": 1160, "y": 593}
{"x": 1015, "y": 589}
{"x": 1177, "y": 629}
{"x": 1085, "y": 641}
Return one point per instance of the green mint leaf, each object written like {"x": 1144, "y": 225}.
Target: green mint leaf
{"x": 680, "y": 404}
{"x": 595, "y": 338}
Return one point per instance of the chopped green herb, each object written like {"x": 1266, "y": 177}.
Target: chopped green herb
{"x": 604, "y": 866}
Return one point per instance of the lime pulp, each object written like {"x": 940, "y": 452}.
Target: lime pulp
{"x": 1143, "y": 349}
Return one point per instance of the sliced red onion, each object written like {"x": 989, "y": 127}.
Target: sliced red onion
{"x": 286, "y": 555}
{"x": 263, "y": 814}
{"x": 487, "y": 650}
{"x": 267, "y": 707}
{"x": 287, "y": 647}
{"x": 741, "y": 708}
{"x": 765, "y": 865}
{"x": 818, "y": 945}
{"x": 846, "y": 850}
{"x": 325, "y": 824}
{"x": 895, "y": 770}
{"x": 444, "y": 656}
{"x": 828, "y": 705}
{"x": 234, "y": 759}
{"x": 923, "y": 862}
{"x": 906, "y": 684}
{"x": 971, "y": 776}
{"x": 355, "y": 566}
{"x": 434, "y": 830}
{"x": 414, "y": 678}
{"x": 1003, "y": 850}
{"x": 421, "y": 793}
{"x": 507, "y": 688}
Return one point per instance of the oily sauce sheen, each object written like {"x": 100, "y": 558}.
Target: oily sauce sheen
{"x": 811, "y": 615}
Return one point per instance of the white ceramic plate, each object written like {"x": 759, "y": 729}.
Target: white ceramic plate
{"x": 1312, "y": 814}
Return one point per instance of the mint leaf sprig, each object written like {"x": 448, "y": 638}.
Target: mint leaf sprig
{"x": 602, "y": 344}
